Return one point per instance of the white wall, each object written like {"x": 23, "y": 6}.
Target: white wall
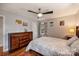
{"x": 60, "y": 31}
{"x": 11, "y": 26}
{"x": 77, "y": 18}
{"x": 35, "y": 29}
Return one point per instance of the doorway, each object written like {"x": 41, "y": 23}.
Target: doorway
{"x": 1, "y": 33}
{"x": 42, "y": 29}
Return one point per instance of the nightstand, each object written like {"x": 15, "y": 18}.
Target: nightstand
{"x": 76, "y": 54}
{"x": 67, "y": 37}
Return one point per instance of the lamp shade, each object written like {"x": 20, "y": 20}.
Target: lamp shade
{"x": 72, "y": 31}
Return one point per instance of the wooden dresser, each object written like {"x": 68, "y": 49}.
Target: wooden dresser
{"x": 18, "y": 40}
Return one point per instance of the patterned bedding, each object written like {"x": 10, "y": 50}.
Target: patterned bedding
{"x": 49, "y": 46}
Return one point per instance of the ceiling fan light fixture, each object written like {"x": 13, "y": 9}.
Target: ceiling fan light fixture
{"x": 40, "y": 15}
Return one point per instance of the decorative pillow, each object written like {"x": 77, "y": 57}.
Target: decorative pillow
{"x": 75, "y": 46}
{"x": 71, "y": 40}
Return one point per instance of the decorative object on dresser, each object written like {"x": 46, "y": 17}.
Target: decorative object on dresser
{"x": 19, "y": 40}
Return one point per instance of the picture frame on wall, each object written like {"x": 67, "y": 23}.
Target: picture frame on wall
{"x": 61, "y": 23}
{"x": 18, "y": 21}
{"x": 51, "y": 24}
{"x": 25, "y": 24}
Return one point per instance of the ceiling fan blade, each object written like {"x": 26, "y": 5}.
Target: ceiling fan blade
{"x": 49, "y": 12}
{"x": 32, "y": 11}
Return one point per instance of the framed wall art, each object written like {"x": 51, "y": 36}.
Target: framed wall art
{"x": 51, "y": 24}
{"x": 61, "y": 23}
{"x": 25, "y": 24}
{"x": 18, "y": 21}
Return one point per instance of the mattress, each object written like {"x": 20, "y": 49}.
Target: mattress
{"x": 50, "y": 46}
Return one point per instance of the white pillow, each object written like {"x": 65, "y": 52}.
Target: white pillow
{"x": 75, "y": 46}
{"x": 71, "y": 40}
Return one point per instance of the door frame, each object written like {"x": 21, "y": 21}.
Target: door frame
{"x": 3, "y": 30}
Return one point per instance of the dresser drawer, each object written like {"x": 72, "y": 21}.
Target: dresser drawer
{"x": 23, "y": 40}
{"x": 14, "y": 46}
{"x": 24, "y": 43}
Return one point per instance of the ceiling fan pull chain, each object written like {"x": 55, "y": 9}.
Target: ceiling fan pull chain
{"x": 39, "y": 10}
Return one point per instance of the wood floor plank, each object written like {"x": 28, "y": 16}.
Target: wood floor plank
{"x": 1, "y": 49}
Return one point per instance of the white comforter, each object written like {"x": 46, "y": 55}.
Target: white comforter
{"x": 50, "y": 46}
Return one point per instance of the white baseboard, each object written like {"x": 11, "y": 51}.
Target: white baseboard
{"x": 5, "y": 50}
{"x": 1, "y": 45}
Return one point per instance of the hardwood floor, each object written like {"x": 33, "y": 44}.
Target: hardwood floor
{"x": 14, "y": 53}
{"x": 1, "y": 49}
{"x": 20, "y": 52}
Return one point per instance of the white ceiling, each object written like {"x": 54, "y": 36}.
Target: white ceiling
{"x": 59, "y": 9}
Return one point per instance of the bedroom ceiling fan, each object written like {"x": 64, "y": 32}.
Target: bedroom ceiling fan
{"x": 40, "y": 14}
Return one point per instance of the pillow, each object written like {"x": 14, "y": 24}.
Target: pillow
{"x": 75, "y": 46}
{"x": 71, "y": 40}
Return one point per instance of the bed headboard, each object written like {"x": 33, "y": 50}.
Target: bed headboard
{"x": 77, "y": 31}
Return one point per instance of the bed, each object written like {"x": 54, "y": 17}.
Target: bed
{"x": 50, "y": 46}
